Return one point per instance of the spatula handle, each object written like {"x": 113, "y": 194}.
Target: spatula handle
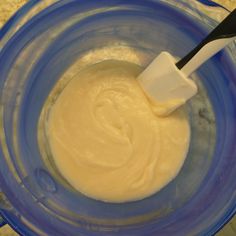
{"x": 222, "y": 35}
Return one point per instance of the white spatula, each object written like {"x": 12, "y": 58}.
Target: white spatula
{"x": 166, "y": 81}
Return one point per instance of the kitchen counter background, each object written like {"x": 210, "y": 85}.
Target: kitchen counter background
{"x": 9, "y": 7}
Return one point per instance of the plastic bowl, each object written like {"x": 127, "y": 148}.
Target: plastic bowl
{"x": 52, "y": 40}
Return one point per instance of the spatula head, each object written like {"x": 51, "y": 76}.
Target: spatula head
{"x": 164, "y": 84}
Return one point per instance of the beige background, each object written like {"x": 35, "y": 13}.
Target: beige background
{"x": 8, "y": 7}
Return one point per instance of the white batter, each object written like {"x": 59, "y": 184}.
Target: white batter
{"x": 106, "y": 139}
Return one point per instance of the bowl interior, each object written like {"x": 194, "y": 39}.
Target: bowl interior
{"x": 53, "y": 47}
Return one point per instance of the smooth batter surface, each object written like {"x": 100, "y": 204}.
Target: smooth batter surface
{"x": 106, "y": 139}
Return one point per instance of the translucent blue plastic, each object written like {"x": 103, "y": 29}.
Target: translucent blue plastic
{"x": 203, "y": 196}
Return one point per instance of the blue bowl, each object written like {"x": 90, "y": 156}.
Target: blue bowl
{"x": 52, "y": 46}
